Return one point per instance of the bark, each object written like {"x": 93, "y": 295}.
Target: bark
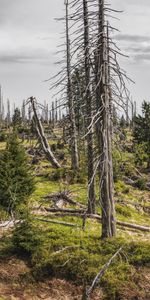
{"x": 109, "y": 139}
{"x": 43, "y": 140}
{"x": 64, "y": 210}
{"x": 104, "y": 132}
{"x": 64, "y": 196}
{"x": 91, "y": 184}
{"x": 73, "y": 133}
{"x": 56, "y": 222}
{"x": 127, "y": 112}
{"x": 101, "y": 273}
{"x": 99, "y": 218}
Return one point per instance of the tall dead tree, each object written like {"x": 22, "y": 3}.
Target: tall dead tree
{"x": 53, "y": 115}
{"x": 42, "y": 138}
{"x": 23, "y": 112}
{"x": 88, "y": 97}
{"x": 127, "y": 111}
{"x": 103, "y": 129}
{"x": 47, "y": 114}
{"x": 72, "y": 123}
{"x": 8, "y": 114}
{"x": 0, "y": 106}
{"x": 90, "y": 50}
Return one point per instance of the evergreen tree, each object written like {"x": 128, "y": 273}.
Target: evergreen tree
{"x": 142, "y": 129}
{"x": 16, "y": 181}
{"x": 123, "y": 122}
{"x": 17, "y": 119}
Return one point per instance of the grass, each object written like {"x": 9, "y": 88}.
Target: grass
{"x": 82, "y": 253}
{"x": 79, "y": 255}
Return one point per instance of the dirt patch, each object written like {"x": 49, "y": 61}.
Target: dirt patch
{"x": 139, "y": 288}
{"x": 13, "y": 287}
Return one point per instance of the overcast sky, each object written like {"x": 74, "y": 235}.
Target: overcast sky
{"x": 29, "y": 36}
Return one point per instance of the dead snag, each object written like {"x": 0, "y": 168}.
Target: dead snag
{"x": 42, "y": 138}
{"x": 88, "y": 97}
{"x": 73, "y": 133}
{"x": 101, "y": 274}
{"x": 103, "y": 129}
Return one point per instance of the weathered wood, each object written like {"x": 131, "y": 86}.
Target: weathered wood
{"x": 104, "y": 129}
{"x": 63, "y": 210}
{"x": 56, "y": 222}
{"x": 89, "y": 135}
{"x": 9, "y": 224}
{"x": 43, "y": 140}
{"x": 64, "y": 196}
{"x": 101, "y": 273}
{"x": 73, "y": 133}
{"x": 99, "y": 218}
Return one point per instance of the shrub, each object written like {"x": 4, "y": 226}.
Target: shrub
{"x": 140, "y": 155}
{"x": 141, "y": 183}
{"x": 27, "y": 239}
{"x": 123, "y": 210}
{"x": 16, "y": 180}
{"x": 2, "y": 137}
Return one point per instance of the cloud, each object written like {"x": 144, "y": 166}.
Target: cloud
{"x": 136, "y": 46}
{"x": 143, "y": 57}
{"x": 132, "y": 38}
{"x": 25, "y": 57}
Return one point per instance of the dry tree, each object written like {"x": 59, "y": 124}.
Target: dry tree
{"x": 40, "y": 133}
{"x": 62, "y": 83}
{"x": 91, "y": 48}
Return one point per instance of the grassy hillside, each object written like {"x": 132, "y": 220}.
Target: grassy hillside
{"x": 50, "y": 253}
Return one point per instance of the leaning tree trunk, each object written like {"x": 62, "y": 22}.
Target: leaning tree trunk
{"x": 91, "y": 186}
{"x": 104, "y": 132}
{"x": 43, "y": 140}
{"x": 73, "y": 133}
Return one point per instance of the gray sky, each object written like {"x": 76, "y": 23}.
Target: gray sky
{"x": 29, "y": 36}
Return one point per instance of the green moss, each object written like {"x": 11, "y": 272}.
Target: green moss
{"x": 139, "y": 253}
{"x": 123, "y": 210}
{"x": 3, "y": 214}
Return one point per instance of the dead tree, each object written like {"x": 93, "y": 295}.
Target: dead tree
{"x": 104, "y": 129}
{"x": 53, "y": 115}
{"x": 40, "y": 132}
{"x": 23, "y": 112}
{"x": 73, "y": 134}
{"x": 127, "y": 111}
{"x": 8, "y": 114}
{"x": 0, "y": 107}
{"x": 88, "y": 97}
{"x": 89, "y": 47}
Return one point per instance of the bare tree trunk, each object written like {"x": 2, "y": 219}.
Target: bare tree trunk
{"x": 44, "y": 143}
{"x": 91, "y": 185}
{"x": 53, "y": 115}
{"x": 109, "y": 137}
{"x": 8, "y": 114}
{"x": 1, "y": 117}
{"x": 127, "y": 111}
{"x": 106, "y": 180}
{"x": 73, "y": 134}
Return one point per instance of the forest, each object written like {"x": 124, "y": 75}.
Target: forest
{"x": 75, "y": 174}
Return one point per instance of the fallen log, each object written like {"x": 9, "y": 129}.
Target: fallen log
{"x": 64, "y": 196}
{"x": 101, "y": 274}
{"x": 98, "y": 217}
{"x": 42, "y": 138}
{"x": 63, "y": 210}
{"x": 84, "y": 216}
{"x": 56, "y": 222}
{"x": 9, "y": 224}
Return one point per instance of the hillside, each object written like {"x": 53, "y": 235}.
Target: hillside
{"x": 59, "y": 251}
